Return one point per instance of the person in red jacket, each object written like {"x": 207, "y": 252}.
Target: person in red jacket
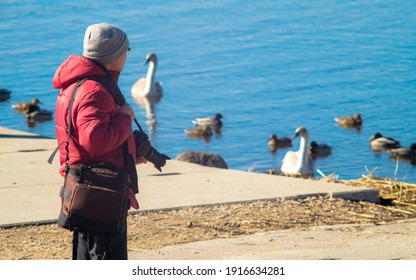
{"x": 99, "y": 125}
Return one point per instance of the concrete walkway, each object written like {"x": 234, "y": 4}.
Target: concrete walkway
{"x": 339, "y": 242}
{"x": 29, "y": 185}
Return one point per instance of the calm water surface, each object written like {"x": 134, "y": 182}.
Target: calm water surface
{"x": 268, "y": 67}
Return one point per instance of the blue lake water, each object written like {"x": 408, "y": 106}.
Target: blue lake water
{"x": 267, "y": 66}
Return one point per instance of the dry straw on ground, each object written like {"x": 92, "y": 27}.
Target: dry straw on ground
{"x": 391, "y": 192}
{"x": 400, "y": 194}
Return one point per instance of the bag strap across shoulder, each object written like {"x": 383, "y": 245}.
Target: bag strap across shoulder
{"x": 71, "y": 104}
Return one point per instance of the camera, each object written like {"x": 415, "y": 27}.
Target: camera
{"x": 145, "y": 149}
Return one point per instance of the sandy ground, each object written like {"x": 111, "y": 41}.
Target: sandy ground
{"x": 160, "y": 229}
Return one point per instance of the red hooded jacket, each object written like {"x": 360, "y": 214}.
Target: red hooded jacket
{"x": 98, "y": 131}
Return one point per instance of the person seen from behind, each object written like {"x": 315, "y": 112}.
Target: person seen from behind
{"x": 99, "y": 126}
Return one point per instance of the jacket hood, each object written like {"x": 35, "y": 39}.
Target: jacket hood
{"x": 74, "y": 68}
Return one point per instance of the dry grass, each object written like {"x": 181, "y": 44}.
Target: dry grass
{"x": 400, "y": 194}
{"x": 391, "y": 191}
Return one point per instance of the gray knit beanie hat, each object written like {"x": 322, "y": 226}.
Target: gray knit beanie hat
{"x": 104, "y": 43}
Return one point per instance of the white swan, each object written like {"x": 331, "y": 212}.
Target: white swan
{"x": 146, "y": 87}
{"x": 299, "y": 163}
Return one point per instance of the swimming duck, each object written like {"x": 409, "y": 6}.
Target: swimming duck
{"x": 148, "y": 86}
{"x": 350, "y": 121}
{"x": 319, "y": 150}
{"x": 404, "y": 152}
{"x": 379, "y": 143}
{"x": 281, "y": 142}
{"x": 27, "y": 107}
{"x": 203, "y": 131}
{"x": 4, "y": 94}
{"x": 299, "y": 163}
{"x": 215, "y": 122}
{"x": 39, "y": 116}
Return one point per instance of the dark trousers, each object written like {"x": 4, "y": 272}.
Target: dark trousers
{"x": 101, "y": 247}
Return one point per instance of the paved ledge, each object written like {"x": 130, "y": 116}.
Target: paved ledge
{"x": 338, "y": 242}
{"x": 29, "y": 186}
